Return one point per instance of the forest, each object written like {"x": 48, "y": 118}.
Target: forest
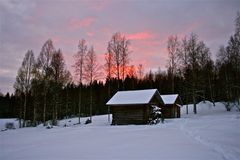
{"x": 45, "y": 90}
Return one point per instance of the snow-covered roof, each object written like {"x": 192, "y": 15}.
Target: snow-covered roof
{"x": 133, "y": 97}
{"x": 169, "y": 99}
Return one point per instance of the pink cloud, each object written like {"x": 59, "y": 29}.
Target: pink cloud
{"x": 83, "y": 23}
{"x": 90, "y": 34}
{"x": 151, "y": 52}
{"x": 140, "y": 35}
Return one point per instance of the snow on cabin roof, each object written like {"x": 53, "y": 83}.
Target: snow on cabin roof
{"x": 169, "y": 99}
{"x": 132, "y": 97}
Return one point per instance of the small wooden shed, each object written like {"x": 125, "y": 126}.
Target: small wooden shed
{"x": 171, "y": 107}
{"x": 133, "y": 107}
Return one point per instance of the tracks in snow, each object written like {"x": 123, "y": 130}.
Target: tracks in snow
{"x": 227, "y": 152}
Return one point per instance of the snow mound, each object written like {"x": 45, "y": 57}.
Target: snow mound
{"x": 207, "y": 106}
{"x": 3, "y": 122}
{"x": 204, "y": 108}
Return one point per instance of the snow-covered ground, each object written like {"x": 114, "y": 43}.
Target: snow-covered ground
{"x": 211, "y": 134}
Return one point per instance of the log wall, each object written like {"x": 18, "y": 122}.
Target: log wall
{"x": 130, "y": 114}
{"x": 171, "y": 111}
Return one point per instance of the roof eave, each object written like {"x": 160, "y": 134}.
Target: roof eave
{"x": 131, "y": 104}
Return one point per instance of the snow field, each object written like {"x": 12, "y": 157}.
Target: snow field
{"x": 211, "y": 134}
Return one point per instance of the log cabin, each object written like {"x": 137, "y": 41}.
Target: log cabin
{"x": 171, "y": 107}
{"x": 133, "y": 107}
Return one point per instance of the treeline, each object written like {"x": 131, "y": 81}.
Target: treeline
{"x": 44, "y": 88}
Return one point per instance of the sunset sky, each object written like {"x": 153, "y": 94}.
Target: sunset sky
{"x": 27, "y": 24}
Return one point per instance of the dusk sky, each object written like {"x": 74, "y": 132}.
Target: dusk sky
{"x": 27, "y": 24}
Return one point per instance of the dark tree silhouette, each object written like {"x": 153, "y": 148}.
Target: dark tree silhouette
{"x": 61, "y": 77}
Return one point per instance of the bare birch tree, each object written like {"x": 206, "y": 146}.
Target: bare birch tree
{"x": 140, "y": 71}
{"x": 109, "y": 63}
{"x": 124, "y": 56}
{"x": 79, "y": 65}
{"x": 114, "y": 47}
{"x": 91, "y": 73}
{"x": 44, "y": 69}
{"x": 173, "y": 49}
{"x": 119, "y": 47}
{"x": 23, "y": 79}
{"x": 108, "y": 66}
{"x": 194, "y": 56}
